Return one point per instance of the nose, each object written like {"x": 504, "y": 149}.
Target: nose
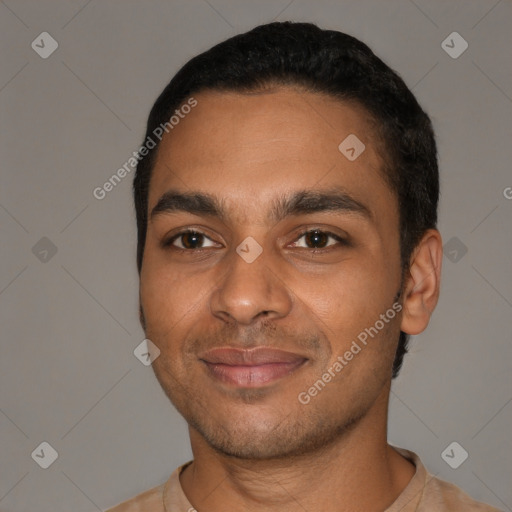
{"x": 250, "y": 291}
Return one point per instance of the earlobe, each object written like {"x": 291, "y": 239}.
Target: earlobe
{"x": 422, "y": 283}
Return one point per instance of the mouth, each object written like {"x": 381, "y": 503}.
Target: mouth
{"x": 250, "y": 367}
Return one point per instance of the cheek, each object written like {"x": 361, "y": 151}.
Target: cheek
{"x": 347, "y": 299}
{"x": 347, "y": 306}
{"x": 168, "y": 303}
{"x": 163, "y": 293}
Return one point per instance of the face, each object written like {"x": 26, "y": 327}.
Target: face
{"x": 269, "y": 256}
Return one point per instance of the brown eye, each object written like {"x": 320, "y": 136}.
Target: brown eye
{"x": 189, "y": 240}
{"x": 318, "y": 239}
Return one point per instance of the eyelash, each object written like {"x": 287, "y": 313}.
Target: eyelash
{"x": 169, "y": 243}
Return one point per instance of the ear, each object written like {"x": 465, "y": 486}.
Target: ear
{"x": 422, "y": 283}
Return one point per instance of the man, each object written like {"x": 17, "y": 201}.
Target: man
{"x": 287, "y": 247}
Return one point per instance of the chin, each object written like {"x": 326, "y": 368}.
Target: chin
{"x": 272, "y": 440}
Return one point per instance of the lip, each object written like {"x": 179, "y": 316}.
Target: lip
{"x": 250, "y": 367}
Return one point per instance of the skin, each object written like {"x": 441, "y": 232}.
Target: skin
{"x": 259, "y": 448}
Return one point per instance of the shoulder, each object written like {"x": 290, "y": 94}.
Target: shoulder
{"x": 153, "y": 499}
{"x": 148, "y": 501}
{"x": 427, "y": 493}
{"x": 441, "y": 495}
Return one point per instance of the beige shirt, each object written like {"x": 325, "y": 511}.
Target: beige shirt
{"x": 424, "y": 493}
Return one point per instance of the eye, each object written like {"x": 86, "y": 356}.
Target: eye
{"x": 189, "y": 240}
{"x": 318, "y": 239}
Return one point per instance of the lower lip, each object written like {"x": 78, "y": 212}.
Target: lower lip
{"x": 252, "y": 376}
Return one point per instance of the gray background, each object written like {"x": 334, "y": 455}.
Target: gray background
{"x": 68, "y": 375}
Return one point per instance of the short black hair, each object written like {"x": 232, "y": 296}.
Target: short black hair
{"x": 327, "y": 62}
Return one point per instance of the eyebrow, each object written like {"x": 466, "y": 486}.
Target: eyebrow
{"x": 301, "y": 202}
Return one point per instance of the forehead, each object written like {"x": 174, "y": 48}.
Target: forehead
{"x": 259, "y": 145}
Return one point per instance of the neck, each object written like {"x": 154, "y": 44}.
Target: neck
{"x": 358, "y": 471}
